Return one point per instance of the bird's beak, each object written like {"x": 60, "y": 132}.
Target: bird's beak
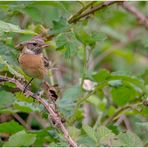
{"x": 45, "y": 46}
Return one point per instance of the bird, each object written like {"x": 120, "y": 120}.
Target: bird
{"x": 31, "y": 59}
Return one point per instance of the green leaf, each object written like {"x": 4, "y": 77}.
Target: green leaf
{"x": 43, "y": 136}
{"x": 84, "y": 37}
{"x": 94, "y": 100}
{"x": 122, "y": 95}
{"x": 6, "y": 99}
{"x": 90, "y": 132}
{"x": 7, "y": 27}
{"x": 101, "y": 76}
{"x": 34, "y": 13}
{"x": 26, "y": 107}
{"x": 98, "y": 36}
{"x": 21, "y": 97}
{"x": 59, "y": 26}
{"x": 20, "y": 139}
{"x": 68, "y": 42}
{"x": 9, "y": 68}
{"x": 8, "y": 53}
{"x": 130, "y": 139}
{"x": 10, "y": 127}
{"x": 68, "y": 102}
{"x": 86, "y": 141}
{"x": 105, "y": 136}
{"x": 74, "y": 132}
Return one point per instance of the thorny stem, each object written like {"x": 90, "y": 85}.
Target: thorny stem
{"x": 54, "y": 115}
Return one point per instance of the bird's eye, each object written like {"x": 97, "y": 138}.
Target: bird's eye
{"x": 34, "y": 44}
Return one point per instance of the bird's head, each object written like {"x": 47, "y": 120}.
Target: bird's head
{"x": 34, "y": 46}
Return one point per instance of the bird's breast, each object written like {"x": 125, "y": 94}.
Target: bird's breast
{"x": 33, "y": 65}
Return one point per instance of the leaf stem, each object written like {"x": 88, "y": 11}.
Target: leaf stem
{"x": 85, "y": 66}
{"x": 109, "y": 120}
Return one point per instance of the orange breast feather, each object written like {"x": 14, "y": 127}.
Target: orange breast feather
{"x": 33, "y": 65}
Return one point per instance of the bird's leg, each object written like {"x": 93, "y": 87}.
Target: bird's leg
{"x": 27, "y": 85}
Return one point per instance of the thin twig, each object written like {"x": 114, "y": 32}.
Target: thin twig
{"x": 140, "y": 17}
{"x": 91, "y": 11}
{"x": 54, "y": 116}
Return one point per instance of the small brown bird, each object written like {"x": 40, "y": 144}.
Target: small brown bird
{"x": 32, "y": 60}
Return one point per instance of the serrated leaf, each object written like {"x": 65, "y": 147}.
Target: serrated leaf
{"x": 59, "y": 26}
{"x": 68, "y": 42}
{"x": 105, "y": 136}
{"x": 84, "y": 37}
{"x": 6, "y": 99}
{"x": 20, "y": 139}
{"x": 86, "y": 141}
{"x": 74, "y": 132}
{"x": 10, "y": 127}
{"x": 130, "y": 139}
{"x": 90, "y": 132}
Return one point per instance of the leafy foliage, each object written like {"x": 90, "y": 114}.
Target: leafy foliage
{"x": 102, "y": 74}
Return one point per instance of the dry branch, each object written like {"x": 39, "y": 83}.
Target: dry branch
{"x": 54, "y": 116}
{"x": 140, "y": 17}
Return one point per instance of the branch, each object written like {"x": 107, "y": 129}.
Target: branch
{"x": 54, "y": 116}
{"x": 105, "y": 4}
{"x": 133, "y": 106}
{"x": 140, "y": 17}
{"x": 80, "y": 12}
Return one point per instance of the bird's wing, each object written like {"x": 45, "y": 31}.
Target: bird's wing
{"x": 47, "y": 63}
